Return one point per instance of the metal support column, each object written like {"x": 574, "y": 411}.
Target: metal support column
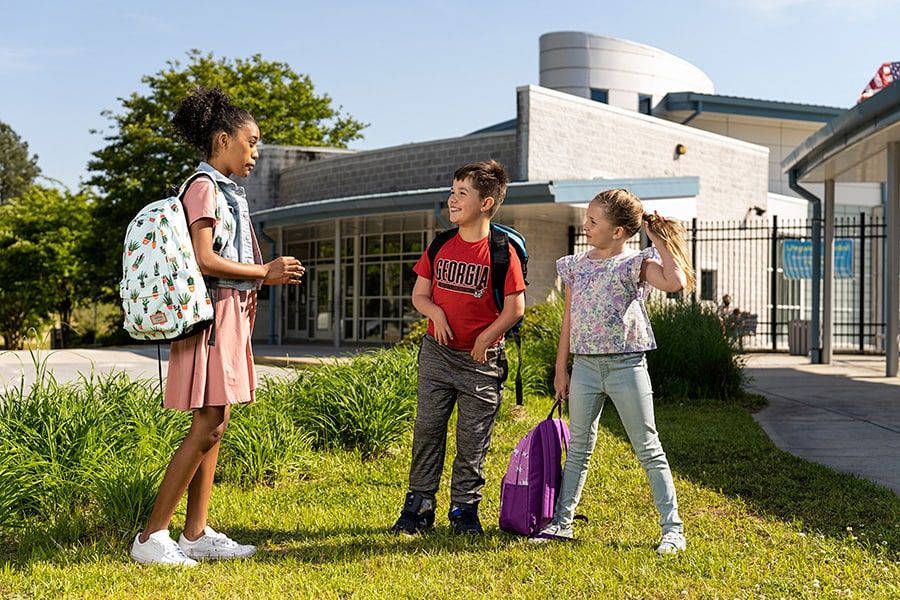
{"x": 892, "y": 260}
{"x": 815, "y": 350}
{"x": 828, "y": 275}
{"x": 337, "y": 294}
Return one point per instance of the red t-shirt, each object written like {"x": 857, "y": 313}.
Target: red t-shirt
{"x": 461, "y": 286}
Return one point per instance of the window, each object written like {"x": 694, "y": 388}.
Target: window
{"x": 708, "y": 285}
{"x": 645, "y": 104}
{"x": 600, "y": 95}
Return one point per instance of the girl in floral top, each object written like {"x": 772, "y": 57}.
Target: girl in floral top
{"x": 606, "y": 327}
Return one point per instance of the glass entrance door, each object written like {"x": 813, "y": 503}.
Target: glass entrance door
{"x": 323, "y": 303}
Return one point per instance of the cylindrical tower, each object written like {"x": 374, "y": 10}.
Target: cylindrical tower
{"x": 619, "y": 72}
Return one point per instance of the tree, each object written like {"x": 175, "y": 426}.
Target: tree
{"x": 17, "y": 169}
{"x": 144, "y": 157}
{"x": 44, "y": 250}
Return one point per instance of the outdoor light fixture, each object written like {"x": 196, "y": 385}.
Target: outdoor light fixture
{"x": 680, "y": 149}
{"x": 756, "y": 210}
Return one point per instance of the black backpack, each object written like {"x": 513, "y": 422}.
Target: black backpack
{"x": 501, "y": 237}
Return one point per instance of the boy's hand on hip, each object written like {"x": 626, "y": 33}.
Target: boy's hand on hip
{"x": 442, "y": 332}
{"x": 479, "y": 351}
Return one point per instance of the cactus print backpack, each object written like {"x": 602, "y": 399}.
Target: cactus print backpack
{"x": 164, "y": 296}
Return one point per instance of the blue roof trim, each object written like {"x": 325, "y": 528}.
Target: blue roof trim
{"x": 517, "y": 193}
{"x": 646, "y": 188}
{"x": 749, "y": 107}
{"x": 864, "y": 119}
{"x": 509, "y": 125}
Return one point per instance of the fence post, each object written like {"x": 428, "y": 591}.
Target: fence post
{"x": 862, "y": 282}
{"x": 694, "y": 259}
{"x": 774, "y": 283}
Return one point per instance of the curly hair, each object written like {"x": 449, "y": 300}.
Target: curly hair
{"x": 624, "y": 209}
{"x": 488, "y": 177}
{"x": 206, "y": 112}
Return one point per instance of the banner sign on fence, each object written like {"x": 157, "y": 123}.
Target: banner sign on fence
{"x": 798, "y": 259}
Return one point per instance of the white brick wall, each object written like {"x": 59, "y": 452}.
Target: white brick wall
{"x": 545, "y": 244}
{"x": 566, "y": 137}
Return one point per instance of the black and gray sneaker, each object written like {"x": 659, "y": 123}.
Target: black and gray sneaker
{"x": 417, "y": 515}
{"x": 464, "y": 519}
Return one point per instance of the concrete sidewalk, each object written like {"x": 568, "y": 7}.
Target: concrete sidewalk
{"x": 19, "y": 367}
{"x": 845, "y": 415}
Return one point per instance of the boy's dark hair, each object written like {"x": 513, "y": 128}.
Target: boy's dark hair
{"x": 488, "y": 177}
{"x": 203, "y": 114}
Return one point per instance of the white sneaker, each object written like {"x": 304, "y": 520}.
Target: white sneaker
{"x": 550, "y": 532}
{"x": 159, "y": 549}
{"x": 672, "y": 542}
{"x": 213, "y": 545}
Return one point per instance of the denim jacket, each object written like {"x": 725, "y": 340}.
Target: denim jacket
{"x": 239, "y": 243}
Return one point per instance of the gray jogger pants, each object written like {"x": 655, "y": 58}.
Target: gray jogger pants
{"x": 450, "y": 377}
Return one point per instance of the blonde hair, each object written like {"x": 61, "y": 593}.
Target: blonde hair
{"x": 624, "y": 209}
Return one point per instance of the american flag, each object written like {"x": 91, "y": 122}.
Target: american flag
{"x": 886, "y": 75}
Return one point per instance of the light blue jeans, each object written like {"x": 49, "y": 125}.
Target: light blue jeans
{"x": 624, "y": 379}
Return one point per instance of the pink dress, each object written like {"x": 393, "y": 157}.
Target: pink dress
{"x": 202, "y": 375}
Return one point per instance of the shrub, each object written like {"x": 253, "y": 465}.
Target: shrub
{"x": 262, "y": 444}
{"x": 82, "y": 456}
{"x": 694, "y": 358}
{"x": 540, "y": 339}
{"x": 366, "y": 404}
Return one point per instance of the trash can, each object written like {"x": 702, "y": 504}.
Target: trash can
{"x": 798, "y": 337}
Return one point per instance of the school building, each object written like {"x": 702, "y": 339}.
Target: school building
{"x": 607, "y": 113}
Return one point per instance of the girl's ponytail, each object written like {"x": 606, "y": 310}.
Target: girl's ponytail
{"x": 671, "y": 232}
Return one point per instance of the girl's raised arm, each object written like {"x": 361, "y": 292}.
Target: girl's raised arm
{"x": 673, "y": 272}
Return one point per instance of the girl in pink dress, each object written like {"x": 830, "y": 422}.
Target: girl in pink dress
{"x": 206, "y": 376}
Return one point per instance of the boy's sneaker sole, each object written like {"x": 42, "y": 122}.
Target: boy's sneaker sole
{"x": 413, "y": 524}
{"x": 464, "y": 520}
{"x": 416, "y": 517}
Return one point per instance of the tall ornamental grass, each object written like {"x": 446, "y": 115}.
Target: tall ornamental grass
{"x": 85, "y": 459}
{"x": 84, "y": 456}
{"x": 366, "y": 404}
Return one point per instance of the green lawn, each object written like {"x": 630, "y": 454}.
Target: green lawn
{"x": 760, "y": 524}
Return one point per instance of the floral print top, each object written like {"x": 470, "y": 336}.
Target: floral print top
{"x": 608, "y": 315}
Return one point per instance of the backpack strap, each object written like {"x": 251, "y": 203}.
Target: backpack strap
{"x": 218, "y": 230}
{"x": 438, "y": 242}
{"x": 499, "y": 243}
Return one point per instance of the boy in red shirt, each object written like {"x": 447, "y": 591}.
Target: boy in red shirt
{"x": 462, "y": 360}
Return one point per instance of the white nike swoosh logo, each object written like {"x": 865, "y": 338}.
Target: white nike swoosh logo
{"x": 482, "y": 388}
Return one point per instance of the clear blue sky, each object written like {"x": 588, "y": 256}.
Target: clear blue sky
{"x": 415, "y": 70}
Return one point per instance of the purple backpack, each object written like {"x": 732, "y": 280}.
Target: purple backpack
{"x": 529, "y": 489}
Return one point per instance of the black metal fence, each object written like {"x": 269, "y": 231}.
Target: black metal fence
{"x": 765, "y": 266}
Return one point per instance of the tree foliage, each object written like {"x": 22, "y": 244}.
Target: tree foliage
{"x": 17, "y": 169}
{"x": 143, "y": 156}
{"x": 44, "y": 245}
